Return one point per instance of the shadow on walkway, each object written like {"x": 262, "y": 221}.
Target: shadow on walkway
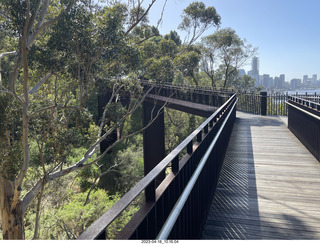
{"x": 234, "y": 212}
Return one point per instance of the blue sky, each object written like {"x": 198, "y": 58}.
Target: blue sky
{"x": 286, "y": 32}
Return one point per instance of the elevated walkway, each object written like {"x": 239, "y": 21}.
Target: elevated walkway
{"x": 269, "y": 187}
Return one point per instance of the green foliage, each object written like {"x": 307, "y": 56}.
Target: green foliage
{"x": 137, "y": 13}
{"x": 11, "y": 137}
{"x": 173, "y": 35}
{"x": 69, "y": 221}
{"x": 149, "y": 49}
{"x": 79, "y": 216}
{"x": 124, "y": 165}
{"x": 168, "y": 48}
{"x": 144, "y": 32}
{"x": 131, "y": 167}
{"x": 178, "y": 78}
{"x": 196, "y": 19}
{"x": 178, "y": 126}
{"x": 11, "y": 160}
{"x": 160, "y": 70}
{"x": 197, "y": 11}
{"x": 230, "y": 53}
{"x": 245, "y": 84}
{"x": 187, "y": 63}
{"x": 224, "y": 38}
{"x": 63, "y": 213}
{"x": 15, "y": 16}
{"x": 134, "y": 122}
{"x": 10, "y": 113}
{"x": 115, "y": 112}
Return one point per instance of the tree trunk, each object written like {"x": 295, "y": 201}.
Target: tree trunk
{"x": 194, "y": 79}
{"x": 213, "y": 83}
{"x": 12, "y": 219}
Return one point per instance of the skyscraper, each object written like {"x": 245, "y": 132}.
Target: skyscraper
{"x": 314, "y": 79}
{"x": 255, "y": 65}
{"x": 265, "y": 81}
{"x": 255, "y": 70}
{"x": 305, "y": 79}
{"x": 282, "y": 81}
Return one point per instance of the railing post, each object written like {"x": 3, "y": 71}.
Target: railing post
{"x": 263, "y": 103}
{"x": 190, "y": 147}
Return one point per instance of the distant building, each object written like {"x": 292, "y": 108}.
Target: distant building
{"x": 282, "y": 81}
{"x": 242, "y": 72}
{"x": 255, "y": 65}
{"x": 305, "y": 79}
{"x": 265, "y": 81}
{"x": 254, "y": 72}
{"x": 294, "y": 83}
{"x": 277, "y": 83}
{"x": 271, "y": 83}
{"x": 314, "y": 79}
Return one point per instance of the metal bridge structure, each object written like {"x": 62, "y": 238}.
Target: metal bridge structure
{"x": 239, "y": 175}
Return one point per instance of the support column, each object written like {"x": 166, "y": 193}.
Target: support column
{"x": 263, "y": 103}
{"x": 153, "y": 144}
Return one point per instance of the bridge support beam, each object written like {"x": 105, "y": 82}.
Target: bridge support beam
{"x": 153, "y": 143}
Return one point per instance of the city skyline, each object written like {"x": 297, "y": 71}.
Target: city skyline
{"x": 255, "y": 70}
{"x": 278, "y": 82}
{"x": 302, "y": 78}
{"x": 284, "y": 31}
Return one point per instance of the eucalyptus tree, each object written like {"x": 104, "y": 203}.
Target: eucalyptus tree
{"x": 196, "y": 19}
{"x": 244, "y": 84}
{"x": 58, "y": 52}
{"x": 228, "y": 51}
{"x": 174, "y": 36}
{"x": 209, "y": 60}
{"x": 188, "y": 64}
{"x": 157, "y": 59}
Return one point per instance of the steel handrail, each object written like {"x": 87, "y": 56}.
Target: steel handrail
{"x": 296, "y": 98}
{"x": 188, "y": 86}
{"x": 304, "y": 111}
{"x": 168, "y": 225}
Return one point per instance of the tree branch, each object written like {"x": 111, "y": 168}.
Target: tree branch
{"x": 4, "y": 90}
{"x": 25, "y": 119}
{"x": 81, "y": 163}
{"x": 7, "y": 53}
{"x": 141, "y": 18}
{"x": 40, "y": 29}
{"x": 53, "y": 107}
{"x": 38, "y": 85}
{"x": 95, "y": 181}
{"x": 34, "y": 15}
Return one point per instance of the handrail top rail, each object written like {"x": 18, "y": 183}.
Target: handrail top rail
{"x": 304, "y": 111}
{"x": 195, "y": 88}
{"x": 100, "y": 224}
{"x": 302, "y": 99}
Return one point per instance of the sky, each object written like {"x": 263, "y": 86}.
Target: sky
{"x": 286, "y": 32}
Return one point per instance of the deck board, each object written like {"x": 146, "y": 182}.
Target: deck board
{"x": 269, "y": 187}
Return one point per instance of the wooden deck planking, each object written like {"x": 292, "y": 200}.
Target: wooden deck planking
{"x": 269, "y": 186}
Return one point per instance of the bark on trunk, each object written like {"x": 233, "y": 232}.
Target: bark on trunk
{"x": 213, "y": 83}
{"x": 12, "y": 219}
{"x": 194, "y": 79}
